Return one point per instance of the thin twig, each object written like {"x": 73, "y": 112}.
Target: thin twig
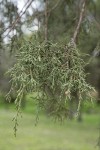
{"x": 55, "y": 6}
{"x": 80, "y": 21}
{"x": 37, "y": 14}
{"x": 42, "y": 13}
{"x": 18, "y": 18}
{"x": 46, "y": 20}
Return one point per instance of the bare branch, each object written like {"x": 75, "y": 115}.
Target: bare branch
{"x": 18, "y": 18}
{"x": 46, "y": 20}
{"x": 80, "y": 21}
{"x": 55, "y": 5}
{"x": 42, "y": 13}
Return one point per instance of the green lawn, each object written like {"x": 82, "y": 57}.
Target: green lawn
{"x": 48, "y": 135}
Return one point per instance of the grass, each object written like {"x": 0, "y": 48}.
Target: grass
{"x": 48, "y": 134}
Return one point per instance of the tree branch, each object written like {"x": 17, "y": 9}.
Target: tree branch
{"x": 18, "y": 18}
{"x": 55, "y": 5}
{"x": 79, "y": 21}
{"x": 46, "y": 20}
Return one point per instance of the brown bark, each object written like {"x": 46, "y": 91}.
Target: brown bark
{"x": 79, "y": 21}
{"x": 46, "y": 20}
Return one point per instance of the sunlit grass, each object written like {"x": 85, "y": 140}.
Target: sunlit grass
{"x": 48, "y": 134}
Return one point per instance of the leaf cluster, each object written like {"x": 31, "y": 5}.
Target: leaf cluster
{"x": 52, "y": 70}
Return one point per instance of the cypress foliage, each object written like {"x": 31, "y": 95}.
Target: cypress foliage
{"x": 53, "y": 71}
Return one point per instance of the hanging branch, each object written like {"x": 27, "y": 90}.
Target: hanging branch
{"x": 80, "y": 21}
{"x": 46, "y": 20}
{"x": 76, "y": 93}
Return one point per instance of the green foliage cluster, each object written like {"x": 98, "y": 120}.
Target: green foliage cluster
{"x": 54, "y": 71}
